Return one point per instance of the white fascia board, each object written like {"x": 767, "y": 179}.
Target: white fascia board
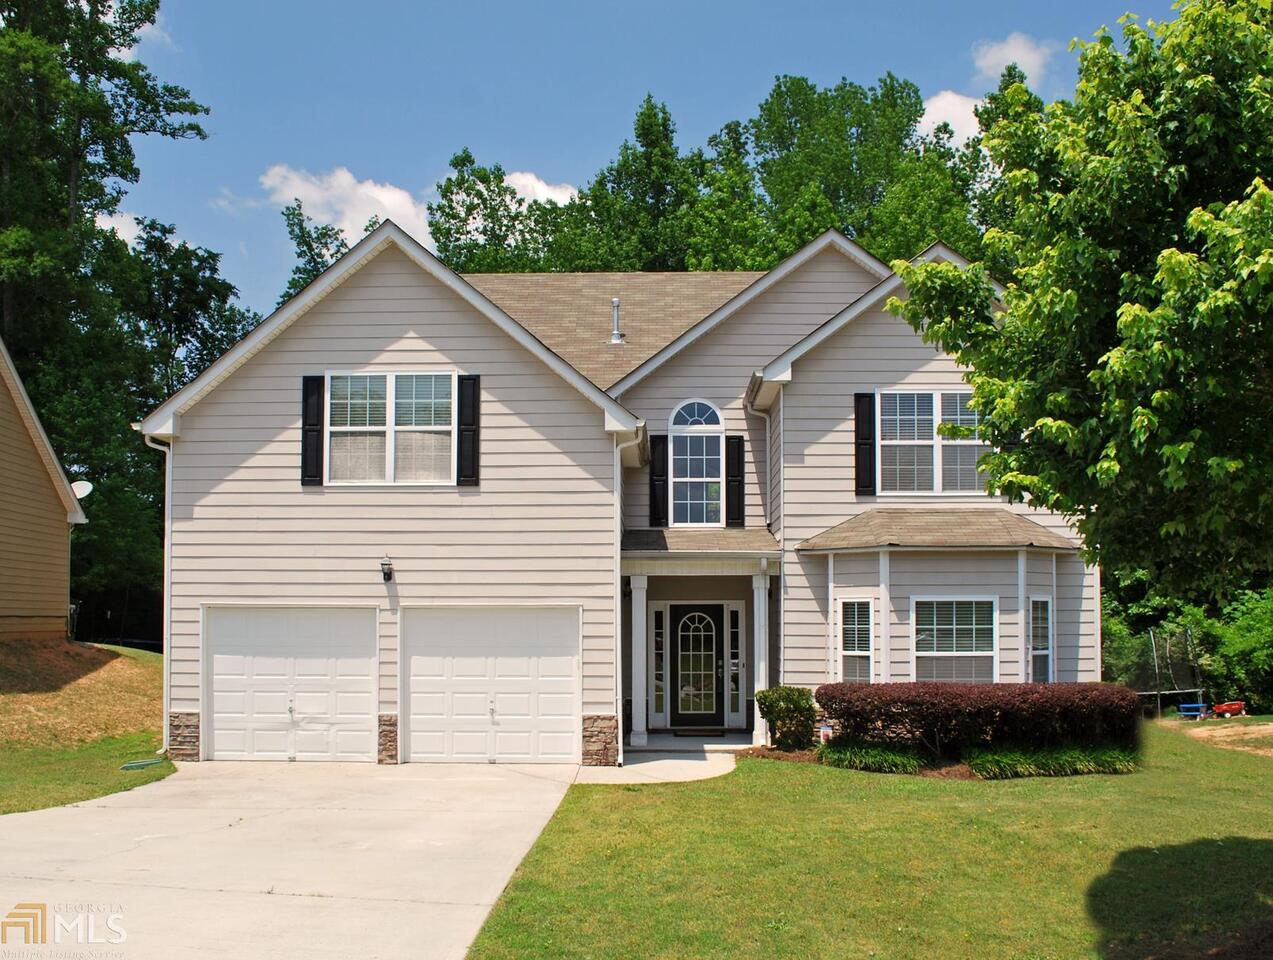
{"x": 43, "y": 446}
{"x": 163, "y": 418}
{"x": 830, "y": 240}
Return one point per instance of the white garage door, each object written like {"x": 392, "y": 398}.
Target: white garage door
{"x": 488, "y": 684}
{"x": 292, "y": 683}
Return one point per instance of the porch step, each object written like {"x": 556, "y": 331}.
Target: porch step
{"x": 669, "y": 743}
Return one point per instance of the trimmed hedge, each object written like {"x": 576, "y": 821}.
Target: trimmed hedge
{"x": 948, "y": 719}
{"x": 790, "y": 714}
{"x": 1004, "y": 763}
{"x": 873, "y": 757}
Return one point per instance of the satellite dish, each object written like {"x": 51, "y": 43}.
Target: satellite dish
{"x": 81, "y": 489}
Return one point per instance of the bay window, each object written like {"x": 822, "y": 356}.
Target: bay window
{"x": 855, "y": 641}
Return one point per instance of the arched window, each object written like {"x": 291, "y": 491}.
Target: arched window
{"x": 697, "y": 441}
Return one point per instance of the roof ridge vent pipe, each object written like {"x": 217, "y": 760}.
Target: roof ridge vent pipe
{"x": 616, "y": 335}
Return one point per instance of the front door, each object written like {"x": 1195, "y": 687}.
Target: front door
{"x": 698, "y": 665}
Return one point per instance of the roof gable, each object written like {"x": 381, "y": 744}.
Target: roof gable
{"x": 43, "y": 448}
{"x": 164, "y": 420}
{"x": 830, "y": 240}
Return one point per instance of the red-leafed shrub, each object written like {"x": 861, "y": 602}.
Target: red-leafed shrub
{"x": 949, "y": 718}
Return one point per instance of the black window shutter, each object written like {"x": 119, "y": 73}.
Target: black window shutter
{"x": 864, "y": 444}
{"x": 469, "y": 421}
{"x": 658, "y": 480}
{"x": 312, "y": 431}
{"x": 735, "y": 510}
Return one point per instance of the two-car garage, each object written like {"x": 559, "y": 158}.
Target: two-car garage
{"x": 475, "y": 683}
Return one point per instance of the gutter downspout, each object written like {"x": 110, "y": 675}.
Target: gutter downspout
{"x": 167, "y": 606}
{"x": 618, "y": 584}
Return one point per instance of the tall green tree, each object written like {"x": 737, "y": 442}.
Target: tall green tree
{"x": 1126, "y": 380}
{"x": 70, "y": 107}
{"x": 318, "y": 246}
{"x": 634, "y": 214}
{"x": 481, "y": 224}
{"x": 846, "y": 139}
{"x": 729, "y": 226}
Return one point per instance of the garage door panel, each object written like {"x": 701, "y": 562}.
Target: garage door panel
{"x": 319, "y": 662}
{"x": 461, "y": 662}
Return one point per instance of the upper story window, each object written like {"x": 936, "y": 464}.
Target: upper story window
{"x": 697, "y": 437}
{"x": 413, "y": 445}
{"x": 915, "y": 457}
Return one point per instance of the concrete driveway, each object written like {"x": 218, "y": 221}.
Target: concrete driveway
{"x": 275, "y": 860}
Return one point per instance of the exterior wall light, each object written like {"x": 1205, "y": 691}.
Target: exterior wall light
{"x": 386, "y": 568}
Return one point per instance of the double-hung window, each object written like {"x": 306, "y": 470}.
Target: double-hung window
{"x": 955, "y": 641}
{"x": 916, "y": 456}
{"x": 391, "y": 428}
{"x": 855, "y": 641}
{"x": 697, "y": 437}
{"x": 1041, "y": 641}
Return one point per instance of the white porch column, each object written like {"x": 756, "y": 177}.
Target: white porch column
{"x": 640, "y": 695}
{"x": 760, "y": 646}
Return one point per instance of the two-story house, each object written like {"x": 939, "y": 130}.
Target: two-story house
{"x": 418, "y": 516}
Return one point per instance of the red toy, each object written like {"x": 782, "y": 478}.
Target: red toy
{"x": 1234, "y": 708}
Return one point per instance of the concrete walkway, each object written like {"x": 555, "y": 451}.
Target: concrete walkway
{"x": 265, "y": 860}
{"x": 660, "y": 768}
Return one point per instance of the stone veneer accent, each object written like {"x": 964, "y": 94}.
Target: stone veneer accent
{"x": 387, "y": 741}
{"x": 600, "y": 740}
{"x": 183, "y": 736}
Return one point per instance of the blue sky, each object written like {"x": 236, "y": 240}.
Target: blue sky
{"x": 358, "y": 107}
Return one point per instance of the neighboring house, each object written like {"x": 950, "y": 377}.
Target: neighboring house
{"x": 37, "y": 511}
{"x": 421, "y": 517}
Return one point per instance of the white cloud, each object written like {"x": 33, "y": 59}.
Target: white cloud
{"x": 953, "y": 108}
{"x": 1032, "y": 56}
{"x": 155, "y": 34}
{"x": 531, "y": 186}
{"x": 122, "y": 223}
{"x": 338, "y": 197}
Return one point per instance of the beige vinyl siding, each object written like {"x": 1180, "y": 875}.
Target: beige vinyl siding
{"x": 719, "y": 366}
{"x": 34, "y": 535}
{"x": 539, "y": 529}
{"x": 880, "y": 351}
{"x": 775, "y": 469}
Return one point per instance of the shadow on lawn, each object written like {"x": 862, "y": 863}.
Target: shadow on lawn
{"x": 1209, "y": 898}
{"x": 43, "y": 666}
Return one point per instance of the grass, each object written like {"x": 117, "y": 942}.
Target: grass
{"x": 70, "y": 715}
{"x": 40, "y": 777}
{"x": 1005, "y": 763}
{"x": 802, "y": 860}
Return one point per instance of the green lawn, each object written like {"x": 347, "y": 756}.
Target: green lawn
{"x": 39, "y": 777}
{"x": 793, "y": 860}
{"x": 70, "y": 715}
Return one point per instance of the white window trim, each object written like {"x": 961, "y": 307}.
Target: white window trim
{"x": 702, "y": 430}
{"x": 938, "y": 442}
{"x": 389, "y": 428}
{"x": 1043, "y": 598}
{"x": 840, "y": 600}
{"x": 994, "y": 622}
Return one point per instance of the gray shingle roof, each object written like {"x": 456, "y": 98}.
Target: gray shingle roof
{"x": 701, "y": 540}
{"x": 968, "y": 528}
{"x": 570, "y": 312}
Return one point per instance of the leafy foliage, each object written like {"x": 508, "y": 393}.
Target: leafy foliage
{"x": 1125, "y": 382}
{"x": 318, "y": 246}
{"x": 790, "y": 714}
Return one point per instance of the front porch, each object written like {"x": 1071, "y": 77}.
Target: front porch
{"x": 697, "y": 638}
